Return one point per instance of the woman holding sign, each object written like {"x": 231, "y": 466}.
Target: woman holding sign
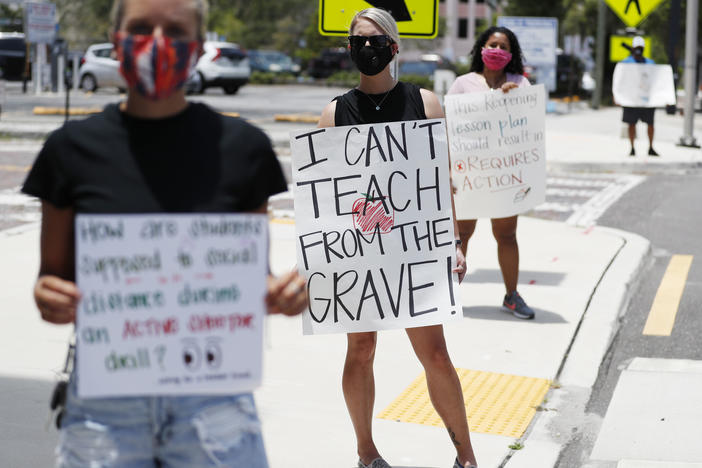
{"x": 154, "y": 153}
{"x": 374, "y": 42}
{"x": 497, "y": 65}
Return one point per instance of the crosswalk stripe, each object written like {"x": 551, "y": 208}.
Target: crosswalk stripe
{"x": 661, "y": 318}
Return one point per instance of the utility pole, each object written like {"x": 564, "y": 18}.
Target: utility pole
{"x": 451, "y": 29}
{"x": 688, "y": 139}
{"x": 600, "y": 54}
{"x": 471, "y": 22}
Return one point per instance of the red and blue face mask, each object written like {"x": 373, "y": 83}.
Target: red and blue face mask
{"x": 156, "y": 67}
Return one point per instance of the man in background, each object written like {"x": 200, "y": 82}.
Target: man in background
{"x": 631, "y": 115}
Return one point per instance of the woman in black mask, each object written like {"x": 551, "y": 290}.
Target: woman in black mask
{"x": 373, "y": 43}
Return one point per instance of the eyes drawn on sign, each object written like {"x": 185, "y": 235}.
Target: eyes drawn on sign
{"x": 371, "y": 213}
{"x": 193, "y": 355}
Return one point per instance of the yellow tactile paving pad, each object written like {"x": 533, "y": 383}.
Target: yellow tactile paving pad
{"x": 499, "y": 404}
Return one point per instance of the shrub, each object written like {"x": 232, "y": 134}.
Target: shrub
{"x": 419, "y": 80}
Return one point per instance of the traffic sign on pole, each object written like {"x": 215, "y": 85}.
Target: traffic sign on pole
{"x": 632, "y": 12}
{"x": 415, "y": 18}
{"x": 620, "y": 47}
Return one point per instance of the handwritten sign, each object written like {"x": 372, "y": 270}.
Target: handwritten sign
{"x": 498, "y": 157}
{"x": 171, "y": 304}
{"x": 643, "y": 85}
{"x": 375, "y": 236}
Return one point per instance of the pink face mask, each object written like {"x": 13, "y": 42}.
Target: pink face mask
{"x": 496, "y": 59}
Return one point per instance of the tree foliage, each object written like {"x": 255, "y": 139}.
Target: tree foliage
{"x": 12, "y": 19}
{"x": 580, "y": 17}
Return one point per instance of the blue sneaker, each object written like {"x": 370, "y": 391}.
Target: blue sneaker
{"x": 517, "y": 306}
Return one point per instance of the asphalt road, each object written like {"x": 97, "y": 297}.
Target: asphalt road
{"x": 252, "y": 102}
{"x": 667, "y": 210}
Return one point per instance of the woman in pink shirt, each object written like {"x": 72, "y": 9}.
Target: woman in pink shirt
{"x": 497, "y": 63}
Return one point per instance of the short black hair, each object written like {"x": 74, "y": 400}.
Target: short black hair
{"x": 516, "y": 65}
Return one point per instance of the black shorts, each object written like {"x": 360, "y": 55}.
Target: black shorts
{"x": 632, "y": 115}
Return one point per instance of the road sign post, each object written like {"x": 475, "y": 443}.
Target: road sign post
{"x": 415, "y": 18}
{"x": 620, "y": 47}
{"x": 40, "y": 29}
{"x": 688, "y": 139}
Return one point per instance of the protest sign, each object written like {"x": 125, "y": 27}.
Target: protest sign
{"x": 643, "y": 85}
{"x": 496, "y": 141}
{"x": 375, "y": 235}
{"x": 171, "y": 304}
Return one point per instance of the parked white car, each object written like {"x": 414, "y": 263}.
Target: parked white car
{"x": 223, "y": 64}
{"x": 100, "y": 69}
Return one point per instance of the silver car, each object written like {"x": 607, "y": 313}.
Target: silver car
{"x": 100, "y": 69}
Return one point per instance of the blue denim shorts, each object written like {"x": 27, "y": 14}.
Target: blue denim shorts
{"x": 167, "y": 432}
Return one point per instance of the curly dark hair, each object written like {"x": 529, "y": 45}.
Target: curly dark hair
{"x": 516, "y": 65}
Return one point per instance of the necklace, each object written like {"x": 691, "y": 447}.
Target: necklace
{"x": 377, "y": 104}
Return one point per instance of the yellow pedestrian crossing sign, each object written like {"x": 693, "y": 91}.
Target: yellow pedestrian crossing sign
{"x": 632, "y": 12}
{"x": 620, "y": 47}
{"x": 415, "y": 18}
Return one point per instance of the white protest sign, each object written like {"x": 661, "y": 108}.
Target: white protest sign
{"x": 40, "y": 22}
{"x": 375, "y": 236}
{"x": 171, "y": 304}
{"x": 496, "y": 141}
{"x": 643, "y": 85}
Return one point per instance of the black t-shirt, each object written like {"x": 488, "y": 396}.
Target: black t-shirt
{"x": 195, "y": 161}
{"x": 403, "y": 102}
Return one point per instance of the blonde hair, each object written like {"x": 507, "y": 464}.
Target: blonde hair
{"x": 201, "y": 9}
{"x": 382, "y": 18}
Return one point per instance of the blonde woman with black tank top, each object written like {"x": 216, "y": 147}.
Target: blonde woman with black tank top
{"x": 373, "y": 42}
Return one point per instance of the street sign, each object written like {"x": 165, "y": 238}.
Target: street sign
{"x": 632, "y": 12}
{"x": 415, "y": 18}
{"x": 619, "y": 47}
{"x": 40, "y": 22}
{"x": 538, "y": 38}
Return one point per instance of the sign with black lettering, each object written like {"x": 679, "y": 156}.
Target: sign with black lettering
{"x": 643, "y": 85}
{"x": 171, "y": 304}
{"x": 375, "y": 235}
{"x": 498, "y": 155}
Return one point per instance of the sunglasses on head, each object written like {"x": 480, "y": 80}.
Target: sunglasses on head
{"x": 381, "y": 40}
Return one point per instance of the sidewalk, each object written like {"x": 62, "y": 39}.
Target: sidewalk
{"x": 300, "y": 402}
{"x": 579, "y": 140}
{"x": 577, "y": 279}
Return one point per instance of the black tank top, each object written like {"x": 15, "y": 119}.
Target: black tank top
{"x": 403, "y": 102}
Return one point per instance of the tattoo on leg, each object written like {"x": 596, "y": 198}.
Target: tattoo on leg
{"x": 453, "y": 437}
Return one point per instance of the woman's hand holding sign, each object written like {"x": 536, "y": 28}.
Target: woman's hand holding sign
{"x": 56, "y": 299}
{"x": 507, "y": 86}
{"x": 287, "y": 294}
{"x": 461, "y": 266}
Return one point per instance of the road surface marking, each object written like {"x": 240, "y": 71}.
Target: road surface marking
{"x": 499, "y": 404}
{"x": 661, "y": 318}
{"x": 11, "y": 168}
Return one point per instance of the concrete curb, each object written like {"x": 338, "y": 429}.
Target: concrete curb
{"x": 553, "y": 428}
{"x": 62, "y": 111}
{"x": 297, "y": 118}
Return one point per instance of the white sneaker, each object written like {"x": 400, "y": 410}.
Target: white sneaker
{"x": 377, "y": 463}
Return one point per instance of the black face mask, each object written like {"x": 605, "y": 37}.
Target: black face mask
{"x": 371, "y": 60}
